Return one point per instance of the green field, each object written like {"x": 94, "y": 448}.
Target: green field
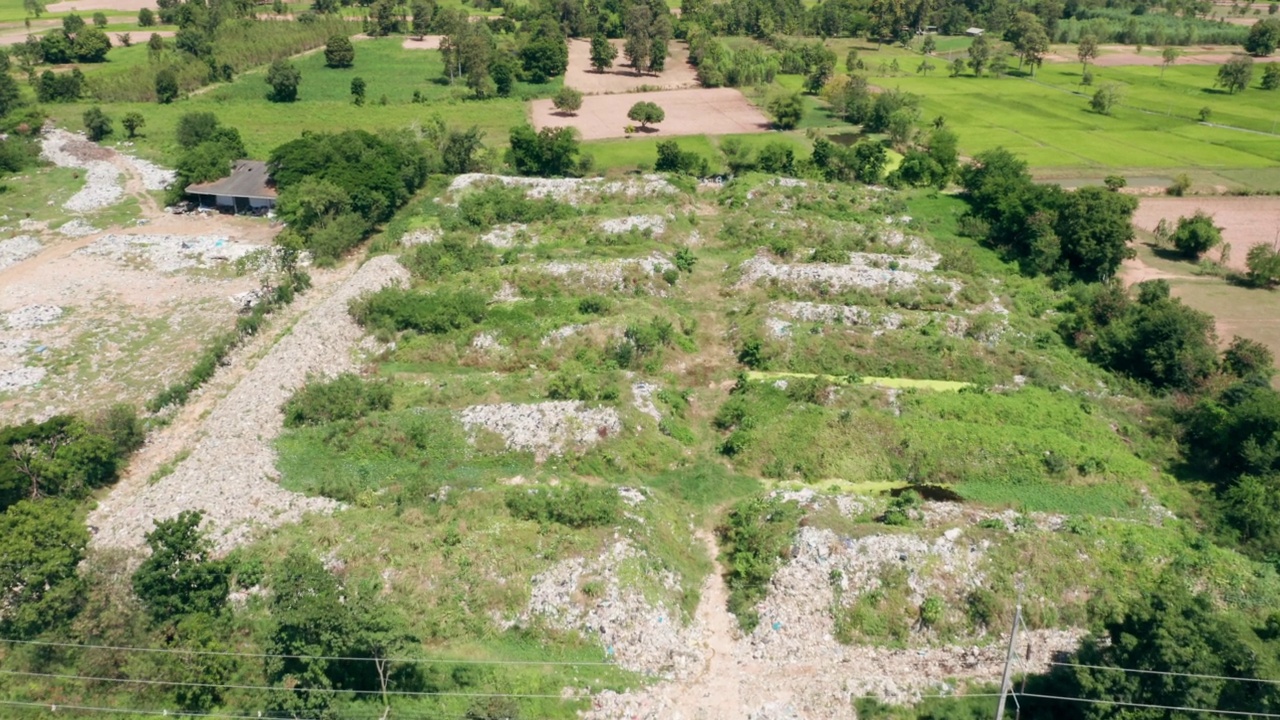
{"x": 324, "y": 100}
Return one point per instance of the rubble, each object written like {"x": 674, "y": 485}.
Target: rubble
{"x": 32, "y": 316}
{"x": 170, "y": 253}
{"x": 546, "y": 428}
{"x": 653, "y": 224}
{"x": 16, "y": 249}
{"x": 230, "y": 473}
{"x": 574, "y": 191}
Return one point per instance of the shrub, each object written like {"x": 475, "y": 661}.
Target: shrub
{"x": 755, "y": 536}
{"x": 684, "y": 259}
{"x": 339, "y": 52}
{"x": 180, "y": 576}
{"x": 646, "y": 113}
{"x": 396, "y": 309}
{"x": 133, "y": 122}
{"x": 787, "y": 111}
{"x": 686, "y": 162}
{"x": 567, "y": 100}
{"x": 931, "y": 611}
{"x": 1195, "y": 235}
{"x": 453, "y": 254}
{"x": 1247, "y": 358}
{"x": 346, "y": 397}
{"x": 574, "y": 504}
{"x": 97, "y": 124}
{"x": 283, "y": 78}
{"x": 1181, "y": 184}
{"x": 166, "y": 86}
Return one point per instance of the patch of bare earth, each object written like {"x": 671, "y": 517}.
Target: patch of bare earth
{"x": 132, "y": 6}
{"x": 426, "y": 42}
{"x": 707, "y": 111}
{"x": 1122, "y": 55}
{"x": 1245, "y": 221}
{"x": 618, "y": 78}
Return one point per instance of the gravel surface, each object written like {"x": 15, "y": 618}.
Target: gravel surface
{"x": 560, "y": 334}
{"x": 640, "y": 636}
{"x": 610, "y": 274}
{"x": 16, "y": 249}
{"x": 654, "y": 224}
{"x": 420, "y": 237}
{"x": 574, "y": 191}
{"x": 32, "y": 316}
{"x": 77, "y": 228}
{"x": 642, "y": 399}
{"x": 170, "y": 253}
{"x": 102, "y": 187}
{"x": 153, "y": 176}
{"x": 546, "y": 428}
{"x": 861, "y": 272}
{"x": 230, "y": 473}
{"x": 24, "y": 377}
{"x": 505, "y": 236}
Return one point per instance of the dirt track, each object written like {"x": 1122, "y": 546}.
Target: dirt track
{"x": 718, "y": 111}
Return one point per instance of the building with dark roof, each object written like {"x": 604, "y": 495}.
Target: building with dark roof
{"x": 247, "y": 188}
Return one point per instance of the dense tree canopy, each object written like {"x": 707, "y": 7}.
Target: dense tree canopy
{"x": 44, "y": 541}
{"x": 549, "y": 152}
{"x": 180, "y": 577}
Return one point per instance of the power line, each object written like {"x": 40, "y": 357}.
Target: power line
{"x": 1243, "y": 713}
{"x": 172, "y": 683}
{"x": 220, "y": 653}
{"x": 57, "y": 707}
{"x": 1167, "y": 673}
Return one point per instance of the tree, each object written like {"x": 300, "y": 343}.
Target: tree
{"x": 685, "y": 162}
{"x": 325, "y": 7}
{"x": 56, "y": 47}
{"x": 787, "y": 110}
{"x": 1235, "y": 74}
{"x": 97, "y": 124}
{"x": 1086, "y": 50}
{"x": 929, "y": 45}
{"x": 155, "y": 46}
{"x": 146, "y": 18}
{"x": 476, "y": 52}
{"x": 979, "y": 55}
{"x": 567, "y": 100}
{"x": 422, "y": 14}
{"x": 384, "y": 18}
{"x": 603, "y": 53}
{"x": 868, "y": 161}
{"x": 181, "y": 577}
{"x": 1263, "y": 262}
{"x": 645, "y": 112}
{"x": 133, "y": 122}
{"x": 1248, "y": 358}
{"x": 549, "y": 152}
{"x": 33, "y": 7}
{"x": 1271, "y": 76}
{"x": 311, "y": 624}
{"x": 1029, "y": 38}
{"x": 357, "y": 91}
{"x": 925, "y": 67}
{"x": 166, "y": 86}
{"x": 1168, "y": 57}
{"x": 72, "y": 24}
{"x": 1263, "y": 37}
{"x": 283, "y": 78}
{"x": 1106, "y": 98}
{"x": 10, "y": 95}
{"x": 339, "y": 52}
{"x": 100, "y": 19}
{"x": 1196, "y": 235}
{"x": 637, "y": 29}
{"x": 458, "y": 152}
{"x": 44, "y": 542}
{"x": 957, "y": 67}
{"x": 91, "y": 45}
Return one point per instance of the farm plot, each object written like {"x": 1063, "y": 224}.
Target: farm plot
{"x": 1245, "y": 221}
{"x": 621, "y": 79}
{"x": 715, "y": 111}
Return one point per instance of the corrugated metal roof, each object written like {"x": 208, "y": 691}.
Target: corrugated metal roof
{"x": 248, "y": 179}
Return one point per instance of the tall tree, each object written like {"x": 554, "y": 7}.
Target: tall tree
{"x": 1235, "y": 74}
{"x": 1168, "y": 57}
{"x": 979, "y": 54}
{"x": 639, "y": 43}
{"x": 1086, "y": 50}
{"x": 603, "y": 53}
{"x": 181, "y": 577}
{"x": 423, "y": 11}
{"x": 40, "y": 590}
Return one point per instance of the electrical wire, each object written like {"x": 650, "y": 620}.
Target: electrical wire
{"x": 1167, "y": 673}
{"x": 220, "y": 686}
{"x": 227, "y": 653}
{"x": 1123, "y": 703}
{"x": 57, "y": 707}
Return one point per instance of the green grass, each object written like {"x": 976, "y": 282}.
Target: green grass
{"x": 884, "y": 382}
{"x": 324, "y": 101}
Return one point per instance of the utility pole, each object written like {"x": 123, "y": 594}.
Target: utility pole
{"x": 1007, "y": 681}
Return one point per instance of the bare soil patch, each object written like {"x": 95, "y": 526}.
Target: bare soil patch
{"x": 1120, "y": 55}
{"x": 121, "y": 5}
{"x": 621, "y": 79}
{"x": 1245, "y": 221}
{"x": 428, "y": 42}
{"x": 713, "y": 111}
